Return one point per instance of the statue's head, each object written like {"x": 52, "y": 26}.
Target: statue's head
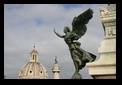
{"x": 66, "y": 29}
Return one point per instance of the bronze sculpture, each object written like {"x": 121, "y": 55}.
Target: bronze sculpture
{"x": 79, "y": 56}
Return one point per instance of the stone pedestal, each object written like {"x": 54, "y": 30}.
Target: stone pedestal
{"x": 105, "y": 66}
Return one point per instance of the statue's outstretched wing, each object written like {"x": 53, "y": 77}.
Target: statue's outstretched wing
{"x": 79, "y": 23}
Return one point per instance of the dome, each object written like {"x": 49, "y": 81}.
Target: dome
{"x": 33, "y": 69}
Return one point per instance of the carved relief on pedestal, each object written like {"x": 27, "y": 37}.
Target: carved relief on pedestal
{"x": 108, "y": 18}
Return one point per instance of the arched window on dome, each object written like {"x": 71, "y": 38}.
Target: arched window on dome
{"x": 33, "y": 57}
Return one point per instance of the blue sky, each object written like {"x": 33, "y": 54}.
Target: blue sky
{"x": 71, "y": 5}
{"x": 29, "y": 24}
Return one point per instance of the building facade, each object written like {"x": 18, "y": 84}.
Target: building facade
{"x": 105, "y": 66}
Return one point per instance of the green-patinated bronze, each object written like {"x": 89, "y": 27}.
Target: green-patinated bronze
{"x": 79, "y": 56}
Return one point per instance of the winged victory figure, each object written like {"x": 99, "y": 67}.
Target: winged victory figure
{"x": 79, "y": 56}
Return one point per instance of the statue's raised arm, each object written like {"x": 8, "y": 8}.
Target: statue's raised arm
{"x": 79, "y": 23}
{"x": 61, "y": 36}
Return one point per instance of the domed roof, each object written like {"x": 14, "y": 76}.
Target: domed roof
{"x": 33, "y": 69}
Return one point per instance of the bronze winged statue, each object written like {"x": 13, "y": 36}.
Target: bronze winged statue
{"x": 79, "y": 56}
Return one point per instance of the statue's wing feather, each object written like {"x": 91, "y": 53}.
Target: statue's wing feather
{"x": 79, "y": 23}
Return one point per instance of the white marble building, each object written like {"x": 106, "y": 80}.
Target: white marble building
{"x": 105, "y": 66}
